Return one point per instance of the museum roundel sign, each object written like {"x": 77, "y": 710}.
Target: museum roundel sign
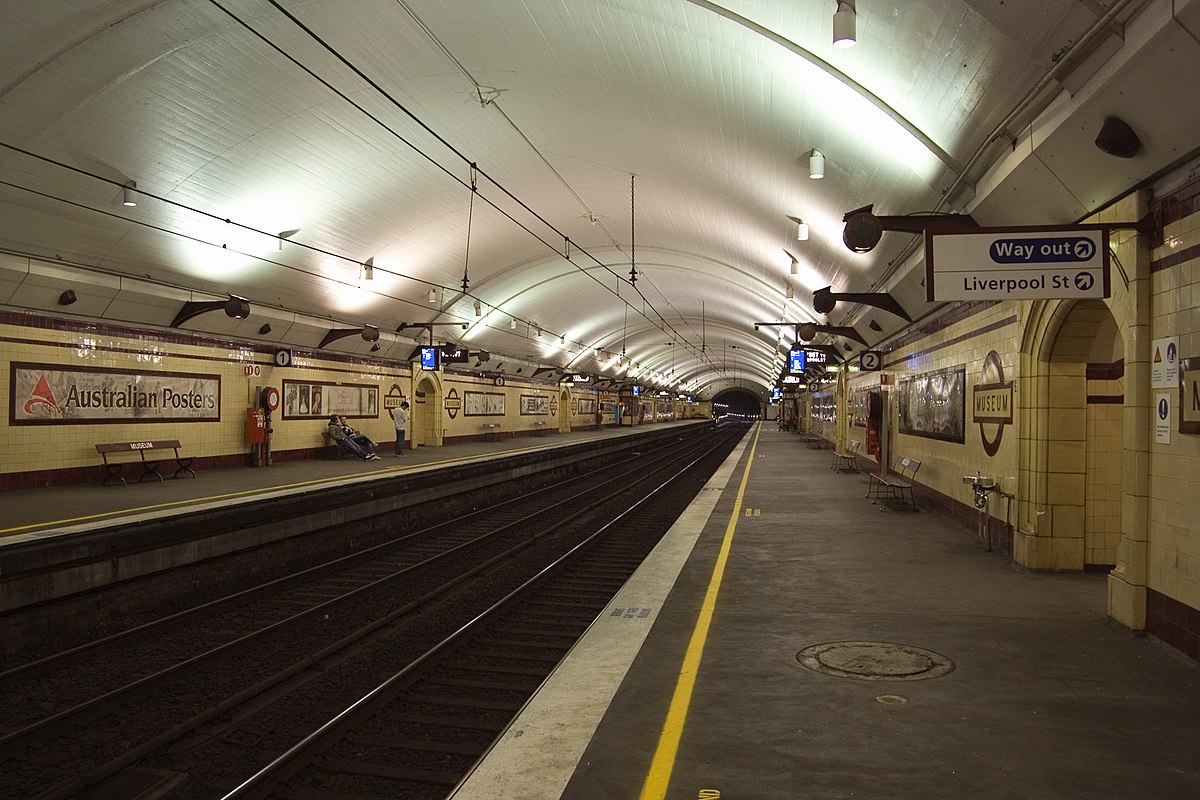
{"x": 992, "y": 403}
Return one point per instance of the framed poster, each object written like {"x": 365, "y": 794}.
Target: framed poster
{"x": 49, "y": 394}
{"x": 483, "y": 404}
{"x": 534, "y": 404}
{"x": 311, "y": 399}
{"x": 933, "y": 405}
{"x": 858, "y": 407}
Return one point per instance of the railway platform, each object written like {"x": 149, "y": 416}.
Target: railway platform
{"x": 786, "y": 640}
{"x": 55, "y": 511}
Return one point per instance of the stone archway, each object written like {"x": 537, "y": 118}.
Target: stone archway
{"x": 565, "y": 411}
{"x": 1059, "y": 339}
{"x": 426, "y": 427}
{"x": 1072, "y": 474}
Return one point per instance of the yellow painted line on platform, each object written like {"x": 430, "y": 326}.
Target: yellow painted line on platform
{"x": 659, "y": 776}
{"x": 263, "y": 490}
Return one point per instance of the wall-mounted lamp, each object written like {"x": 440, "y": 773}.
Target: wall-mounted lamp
{"x": 128, "y": 197}
{"x": 843, "y": 24}
{"x": 368, "y": 269}
{"x": 369, "y": 333}
{"x": 816, "y": 165}
{"x": 237, "y": 307}
{"x": 67, "y": 297}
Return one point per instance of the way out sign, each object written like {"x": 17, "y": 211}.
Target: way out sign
{"x": 1069, "y": 262}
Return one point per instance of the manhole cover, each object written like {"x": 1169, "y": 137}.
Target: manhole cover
{"x": 875, "y": 661}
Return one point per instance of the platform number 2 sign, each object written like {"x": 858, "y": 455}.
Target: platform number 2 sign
{"x": 870, "y": 360}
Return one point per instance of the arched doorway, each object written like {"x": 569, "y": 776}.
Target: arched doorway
{"x": 425, "y": 425}
{"x": 1076, "y": 478}
{"x": 565, "y": 411}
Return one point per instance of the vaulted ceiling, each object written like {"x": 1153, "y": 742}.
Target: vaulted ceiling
{"x": 613, "y": 182}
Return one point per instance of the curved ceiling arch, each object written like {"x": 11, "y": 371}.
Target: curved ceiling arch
{"x": 713, "y": 107}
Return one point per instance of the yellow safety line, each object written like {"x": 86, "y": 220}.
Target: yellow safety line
{"x": 655, "y": 787}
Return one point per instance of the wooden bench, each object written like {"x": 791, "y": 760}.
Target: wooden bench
{"x": 491, "y": 431}
{"x": 338, "y": 451}
{"x": 813, "y": 437}
{"x": 895, "y": 484}
{"x": 846, "y": 459}
{"x": 112, "y": 468}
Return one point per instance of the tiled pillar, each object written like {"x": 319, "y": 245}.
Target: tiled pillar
{"x": 1127, "y": 582}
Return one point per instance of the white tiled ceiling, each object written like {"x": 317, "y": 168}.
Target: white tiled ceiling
{"x": 714, "y": 108}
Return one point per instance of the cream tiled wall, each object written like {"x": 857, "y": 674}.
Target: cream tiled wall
{"x": 30, "y": 448}
{"x": 965, "y": 343}
{"x": 1174, "y": 502}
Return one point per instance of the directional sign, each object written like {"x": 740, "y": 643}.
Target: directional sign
{"x": 1017, "y": 263}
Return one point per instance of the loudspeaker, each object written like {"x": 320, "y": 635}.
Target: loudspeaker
{"x": 1118, "y": 139}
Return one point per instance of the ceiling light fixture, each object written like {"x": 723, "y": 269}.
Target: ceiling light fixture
{"x": 795, "y": 270}
{"x": 512, "y": 324}
{"x": 286, "y": 235}
{"x": 789, "y": 293}
{"x": 368, "y": 269}
{"x": 127, "y": 198}
{"x": 801, "y": 229}
{"x": 843, "y": 24}
{"x": 478, "y": 309}
{"x": 816, "y": 165}
{"x": 432, "y": 296}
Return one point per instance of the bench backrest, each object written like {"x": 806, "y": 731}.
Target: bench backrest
{"x": 121, "y": 447}
{"x": 906, "y": 467}
{"x": 853, "y": 448}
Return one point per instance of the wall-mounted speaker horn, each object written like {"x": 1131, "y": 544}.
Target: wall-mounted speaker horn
{"x": 1118, "y": 139}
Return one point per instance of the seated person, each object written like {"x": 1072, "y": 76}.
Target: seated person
{"x": 351, "y": 440}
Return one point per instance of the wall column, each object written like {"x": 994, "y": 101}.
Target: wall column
{"x": 1127, "y": 581}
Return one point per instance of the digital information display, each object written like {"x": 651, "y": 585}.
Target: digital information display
{"x": 429, "y": 358}
{"x": 796, "y": 360}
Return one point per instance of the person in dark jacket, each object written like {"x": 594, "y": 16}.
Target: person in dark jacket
{"x": 351, "y": 440}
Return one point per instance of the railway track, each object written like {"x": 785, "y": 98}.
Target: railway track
{"x": 142, "y": 710}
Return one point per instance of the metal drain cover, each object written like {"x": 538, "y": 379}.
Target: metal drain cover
{"x": 875, "y": 661}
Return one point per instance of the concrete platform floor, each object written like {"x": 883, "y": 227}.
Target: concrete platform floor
{"x": 43, "y": 512}
{"x": 975, "y": 679}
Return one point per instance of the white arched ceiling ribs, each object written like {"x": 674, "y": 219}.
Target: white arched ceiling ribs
{"x": 838, "y": 75}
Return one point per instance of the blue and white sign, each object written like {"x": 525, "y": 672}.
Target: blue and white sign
{"x": 1162, "y": 419}
{"x": 797, "y": 360}
{"x": 1017, "y": 264}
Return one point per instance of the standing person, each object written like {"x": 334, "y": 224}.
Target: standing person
{"x": 400, "y": 420}
{"x": 351, "y": 440}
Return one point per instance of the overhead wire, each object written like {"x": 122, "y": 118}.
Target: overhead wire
{"x": 454, "y": 150}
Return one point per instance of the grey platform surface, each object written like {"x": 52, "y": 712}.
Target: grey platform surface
{"x": 42, "y": 512}
{"x": 1046, "y": 699}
